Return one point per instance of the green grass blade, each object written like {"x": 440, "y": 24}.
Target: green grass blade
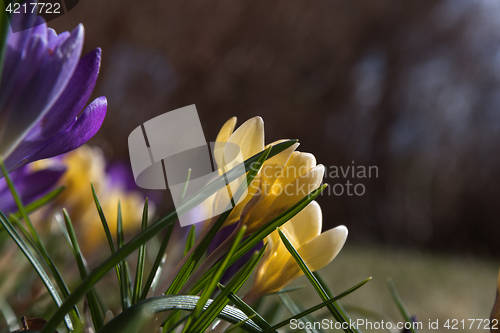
{"x": 319, "y": 288}
{"x": 47, "y": 198}
{"x": 123, "y": 267}
{"x": 295, "y": 309}
{"x": 209, "y": 315}
{"x": 110, "y": 243}
{"x": 212, "y": 286}
{"x": 164, "y": 222}
{"x": 156, "y": 265}
{"x": 36, "y": 265}
{"x": 141, "y": 316}
{"x": 139, "y": 272}
{"x": 177, "y": 323}
{"x": 260, "y": 234}
{"x": 191, "y": 239}
{"x": 184, "y": 189}
{"x": 17, "y": 200}
{"x": 93, "y": 302}
{"x": 316, "y": 307}
{"x": 401, "y": 306}
{"x": 232, "y": 328}
{"x": 9, "y": 315}
{"x": 103, "y": 220}
{"x": 330, "y": 294}
{"x": 37, "y": 241}
{"x": 247, "y": 309}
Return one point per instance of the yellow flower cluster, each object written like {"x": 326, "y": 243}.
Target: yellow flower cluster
{"x": 282, "y": 181}
{"x": 83, "y": 165}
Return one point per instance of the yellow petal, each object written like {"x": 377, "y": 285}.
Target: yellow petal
{"x": 320, "y": 251}
{"x": 277, "y": 202}
{"x": 298, "y": 164}
{"x": 223, "y": 136}
{"x": 304, "y": 226}
{"x": 273, "y": 168}
{"x": 250, "y": 137}
{"x": 226, "y": 130}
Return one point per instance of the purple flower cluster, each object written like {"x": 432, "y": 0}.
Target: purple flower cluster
{"x": 45, "y": 85}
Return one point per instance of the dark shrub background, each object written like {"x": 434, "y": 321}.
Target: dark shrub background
{"x": 412, "y": 87}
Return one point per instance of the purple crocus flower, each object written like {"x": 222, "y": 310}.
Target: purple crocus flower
{"x": 31, "y": 185}
{"x": 44, "y": 87}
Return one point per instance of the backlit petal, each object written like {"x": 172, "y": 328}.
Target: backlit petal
{"x": 320, "y": 251}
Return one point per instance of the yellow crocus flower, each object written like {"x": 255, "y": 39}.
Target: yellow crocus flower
{"x": 278, "y": 268}
{"x": 283, "y": 180}
{"x": 83, "y": 165}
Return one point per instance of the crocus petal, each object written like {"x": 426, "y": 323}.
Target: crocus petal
{"x": 63, "y": 113}
{"x": 30, "y": 186}
{"x": 273, "y": 168}
{"x": 304, "y": 226}
{"x": 288, "y": 195}
{"x": 75, "y": 96}
{"x": 223, "y": 136}
{"x": 320, "y": 251}
{"x": 43, "y": 90}
{"x": 226, "y": 130}
{"x": 249, "y": 137}
{"x": 84, "y": 128}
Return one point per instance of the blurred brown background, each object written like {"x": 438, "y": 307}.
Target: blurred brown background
{"x": 412, "y": 87}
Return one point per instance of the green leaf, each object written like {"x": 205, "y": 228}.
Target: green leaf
{"x": 319, "y": 288}
{"x": 146, "y": 315}
{"x": 330, "y": 294}
{"x": 139, "y": 272}
{"x": 8, "y": 314}
{"x": 150, "y": 232}
{"x": 36, "y": 265}
{"x": 209, "y": 315}
{"x": 184, "y": 189}
{"x": 401, "y": 306}
{"x": 212, "y": 285}
{"x": 247, "y": 309}
{"x": 95, "y": 311}
{"x": 37, "y": 243}
{"x": 156, "y": 265}
{"x": 123, "y": 294}
{"x": 295, "y": 309}
{"x": 103, "y": 220}
{"x": 191, "y": 239}
{"x": 317, "y": 307}
{"x": 260, "y": 234}
{"x": 126, "y": 295}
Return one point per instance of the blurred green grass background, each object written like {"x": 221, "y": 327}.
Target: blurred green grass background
{"x": 432, "y": 286}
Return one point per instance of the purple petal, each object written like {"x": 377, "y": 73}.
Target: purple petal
{"x": 75, "y": 96}
{"x": 85, "y": 127}
{"x": 30, "y": 186}
{"x": 63, "y": 114}
{"x": 44, "y": 89}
